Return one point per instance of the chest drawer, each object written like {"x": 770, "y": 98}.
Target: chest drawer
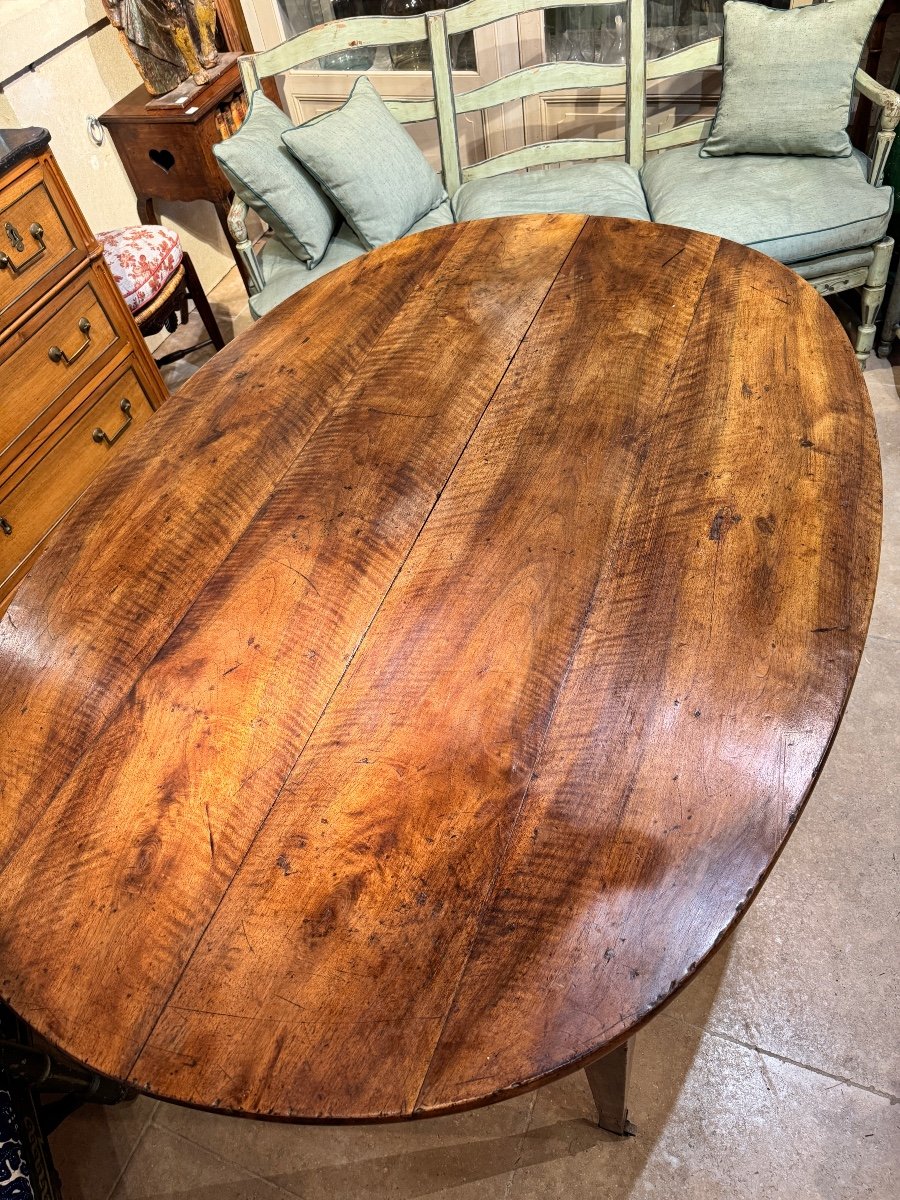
{"x": 41, "y": 492}
{"x": 35, "y": 238}
{"x": 50, "y": 354}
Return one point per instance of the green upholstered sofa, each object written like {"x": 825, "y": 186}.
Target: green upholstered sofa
{"x": 826, "y": 218}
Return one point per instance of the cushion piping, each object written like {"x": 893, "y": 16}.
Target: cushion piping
{"x": 328, "y": 192}
{"x": 848, "y": 153}
{"x": 786, "y": 237}
{"x": 324, "y": 186}
{"x": 309, "y": 260}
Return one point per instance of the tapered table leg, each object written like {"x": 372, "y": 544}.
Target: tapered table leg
{"x": 608, "y": 1077}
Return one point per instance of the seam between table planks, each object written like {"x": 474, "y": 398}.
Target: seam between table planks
{"x": 628, "y": 1025}
{"x": 664, "y": 393}
{"x": 340, "y": 400}
{"x": 639, "y": 460}
{"x": 664, "y": 390}
{"x": 700, "y": 285}
{"x": 259, "y": 829}
{"x": 562, "y": 1069}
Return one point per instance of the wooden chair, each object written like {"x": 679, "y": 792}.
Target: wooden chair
{"x": 861, "y": 264}
{"x": 157, "y": 279}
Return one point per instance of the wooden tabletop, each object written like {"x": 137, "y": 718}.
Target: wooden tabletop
{"x": 464, "y": 648}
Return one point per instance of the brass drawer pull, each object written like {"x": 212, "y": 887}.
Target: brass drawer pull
{"x": 99, "y": 436}
{"x": 5, "y": 526}
{"x": 57, "y": 355}
{"x": 15, "y": 240}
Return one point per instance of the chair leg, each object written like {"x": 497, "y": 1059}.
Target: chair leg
{"x": 197, "y": 294}
{"x": 890, "y": 320}
{"x": 872, "y": 294}
{"x": 609, "y": 1077}
{"x": 26, "y": 1073}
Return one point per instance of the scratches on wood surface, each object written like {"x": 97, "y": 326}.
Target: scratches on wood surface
{"x": 435, "y": 717}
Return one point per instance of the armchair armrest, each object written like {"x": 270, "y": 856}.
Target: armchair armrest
{"x": 888, "y": 102}
{"x": 882, "y": 97}
{"x": 237, "y": 227}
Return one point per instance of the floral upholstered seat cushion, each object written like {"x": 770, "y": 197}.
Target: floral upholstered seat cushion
{"x": 142, "y": 258}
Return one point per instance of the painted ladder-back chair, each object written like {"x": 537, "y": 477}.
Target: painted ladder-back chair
{"x": 817, "y": 253}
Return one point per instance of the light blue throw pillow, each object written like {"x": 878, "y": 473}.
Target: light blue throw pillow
{"x": 369, "y": 165}
{"x": 788, "y": 78}
{"x": 271, "y": 182}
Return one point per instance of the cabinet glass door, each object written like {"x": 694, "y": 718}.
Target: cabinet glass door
{"x": 577, "y": 33}
{"x": 298, "y": 15}
{"x": 574, "y": 33}
{"x": 674, "y": 24}
{"x": 580, "y": 34}
{"x": 401, "y": 72}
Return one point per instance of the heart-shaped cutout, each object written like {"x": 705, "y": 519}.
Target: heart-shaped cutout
{"x": 163, "y": 158}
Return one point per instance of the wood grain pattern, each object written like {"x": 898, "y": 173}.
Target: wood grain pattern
{"x": 33, "y": 499}
{"x": 461, "y": 684}
{"x": 65, "y": 335}
{"x": 24, "y": 355}
{"x": 28, "y": 200}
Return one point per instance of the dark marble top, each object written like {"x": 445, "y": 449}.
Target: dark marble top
{"x": 17, "y": 144}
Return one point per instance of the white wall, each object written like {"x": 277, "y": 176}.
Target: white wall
{"x": 83, "y": 79}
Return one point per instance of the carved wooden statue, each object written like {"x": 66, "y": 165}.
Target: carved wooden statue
{"x": 169, "y": 40}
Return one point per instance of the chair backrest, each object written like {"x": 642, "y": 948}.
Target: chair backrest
{"x": 333, "y": 37}
{"x": 437, "y": 27}
{"x": 533, "y": 81}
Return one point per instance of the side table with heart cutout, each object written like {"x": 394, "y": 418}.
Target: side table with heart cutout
{"x": 167, "y": 152}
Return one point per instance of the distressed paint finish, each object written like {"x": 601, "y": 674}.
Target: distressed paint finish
{"x": 636, "y": 73}
{"x": 460, "y": 683}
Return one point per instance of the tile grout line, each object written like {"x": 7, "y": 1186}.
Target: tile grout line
{"x": 522, "y": 1136}
{"x": 792, "y": 1062}
{"x": 882, "y": 637}
{"x": 137, "y": 1141}
{"x": 228, "y": 1162}
{"x": 286, "y": 1188}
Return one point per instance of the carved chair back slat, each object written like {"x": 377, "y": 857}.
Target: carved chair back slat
{"x": 541, "y": 79}
{"x": 636, "y": 74}
{"x": 436, "y": 27}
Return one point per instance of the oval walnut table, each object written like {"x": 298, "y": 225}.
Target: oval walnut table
{"x": 471, "y": 637}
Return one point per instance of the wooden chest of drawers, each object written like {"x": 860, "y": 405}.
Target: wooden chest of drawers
{"x": 76, "y": 377}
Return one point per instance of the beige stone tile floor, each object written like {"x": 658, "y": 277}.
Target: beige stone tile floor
{"x": 775, "y": 1073}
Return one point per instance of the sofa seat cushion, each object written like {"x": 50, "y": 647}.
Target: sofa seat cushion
{"x": 285, "y": 274}
{"x": 601, "y": 189}
{"x": 442, "y": 215}
{"x": 788, "y": 207}
{"x": 832, "y": 264}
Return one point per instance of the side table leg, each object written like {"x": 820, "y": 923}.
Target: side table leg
{"x": 146, "y": 210}
{"x": 609, "y": 1077}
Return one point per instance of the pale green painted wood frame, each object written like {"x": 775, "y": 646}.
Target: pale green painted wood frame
{"x": 437, "y": 27}
{"x": 545, "y": 77}
{"x": 635, "y": 74}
